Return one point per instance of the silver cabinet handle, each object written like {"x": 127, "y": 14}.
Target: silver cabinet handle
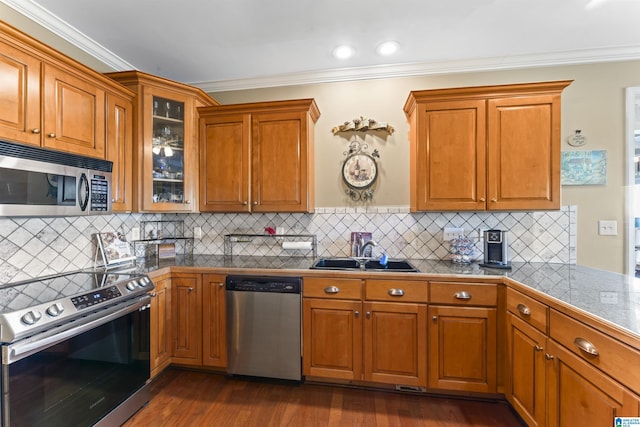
{"x": 255, "y": 203}
{"x": 245, "y": 203}
{"x": 548, "y": 356}
{"x": 331, "y": 290}
{"x": 482, "y": 199}
{"x": 538, "y": 348}
{"x": 368, "y": 314}
{"x": 586, "y": 346}
{"x": 396, "y": 292}
{"x": 153, "y": 295}
{"x": 356, "y": 314}
{"x": 51, "y": 135}
{"x": 524, "y": 310}
{"x": 464, "y": 295}
{"x": 434, "y": 318}
{"x": 221, "y": 285}
{"x": 35, "y": 131}
{"x": 188, "y": 202}
{"x": 494, "y": 200}
{"x": 190, "y": 289}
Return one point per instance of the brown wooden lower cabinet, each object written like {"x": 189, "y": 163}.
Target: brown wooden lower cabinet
{"x": 186, "y": 318}
{"x": 332, "y": 338}
{"x": 160, "y": 334}
{"x": 214, "y": 321}
{"x": 392, "y": 349}
{"x": 525, "y": 379}
{"x": 462, "y": 348}
{"x": 395, "y": 343}
{"x": 578, "y": 393}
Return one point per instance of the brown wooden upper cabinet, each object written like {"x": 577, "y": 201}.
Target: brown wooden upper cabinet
{"x": 165, "y": 142}
{"x": 50, "y": 100}
{"x": 485, "y": 148}
{"x": 257, "y": 157}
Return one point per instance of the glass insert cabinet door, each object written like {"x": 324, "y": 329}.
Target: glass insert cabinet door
{"x": 168, "y": 151}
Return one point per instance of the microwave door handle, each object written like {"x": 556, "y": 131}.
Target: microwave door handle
{"x": 83, "y": 192}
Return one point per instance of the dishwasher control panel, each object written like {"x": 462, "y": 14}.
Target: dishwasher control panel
{"x": 290, "y": 285}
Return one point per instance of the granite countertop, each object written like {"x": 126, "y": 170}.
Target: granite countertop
{"x": 612, "y": 297}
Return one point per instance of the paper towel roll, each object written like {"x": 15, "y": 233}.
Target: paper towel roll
{"x": 297, "y": 245}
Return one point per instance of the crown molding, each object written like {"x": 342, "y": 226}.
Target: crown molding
{"x": 512, "y": 62}
{"x": 61, "y": 28}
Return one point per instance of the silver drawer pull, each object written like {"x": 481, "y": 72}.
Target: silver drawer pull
{"x": 396, "y": 292}
{"x": 524, "y": 310}
{"x": 462, "y": 295}
{"x": 331, "y": 290}
{"x": 586, "y": 346}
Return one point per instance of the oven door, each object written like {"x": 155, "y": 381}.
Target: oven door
{"x": 80, "y": 375}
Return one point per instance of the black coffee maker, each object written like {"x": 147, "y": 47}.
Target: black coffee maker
{"x": 496, "y": 249}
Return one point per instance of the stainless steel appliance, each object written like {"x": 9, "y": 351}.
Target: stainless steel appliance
{"x": 264, "y": 326}
{"x": 75, "y": 349}
{"x": 496, "y": 249}
{"x": 35, "y": 181}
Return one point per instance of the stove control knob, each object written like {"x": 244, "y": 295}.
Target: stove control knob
{"x": 55, "y": 310}
{"x": 144, "y": 281}
{"x": 31, "y": 317}
{"x": 131, "y": 285}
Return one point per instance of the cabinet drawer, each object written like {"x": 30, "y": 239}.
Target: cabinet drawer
{"x": 463, "y": 293}
{"x": 396, "y": 290}
{"x": 320, "y": 287}
{"x": 527, "y": 309}
{"x": 610, "y": 355}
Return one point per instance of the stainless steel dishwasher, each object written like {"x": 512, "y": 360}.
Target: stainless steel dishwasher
{"x": 264, "y": 326}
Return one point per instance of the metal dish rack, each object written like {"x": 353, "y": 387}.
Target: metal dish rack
{"x": 162, "y": 239}
{"x": 271, "y": 244}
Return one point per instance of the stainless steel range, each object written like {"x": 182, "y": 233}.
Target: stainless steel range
{"x": 75, "y": 348}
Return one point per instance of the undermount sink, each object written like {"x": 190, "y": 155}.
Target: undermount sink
{"x": 363, "y": 264}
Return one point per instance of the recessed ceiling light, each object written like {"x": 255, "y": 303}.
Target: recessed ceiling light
{"x": 343, "y": 52}
{"x": 388, "y": 48}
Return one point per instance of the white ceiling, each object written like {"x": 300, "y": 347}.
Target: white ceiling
{"x": 234, "y": 44}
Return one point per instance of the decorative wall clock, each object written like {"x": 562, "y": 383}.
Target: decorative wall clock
{"x": 360, "y": 171}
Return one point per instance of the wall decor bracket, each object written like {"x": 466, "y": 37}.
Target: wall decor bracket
{"x": 363, "y": 124}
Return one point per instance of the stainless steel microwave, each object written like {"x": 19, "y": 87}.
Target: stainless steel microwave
{"x": 39, "y": 182}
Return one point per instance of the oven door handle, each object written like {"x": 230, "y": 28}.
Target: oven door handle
{"x": 19, "y": 350}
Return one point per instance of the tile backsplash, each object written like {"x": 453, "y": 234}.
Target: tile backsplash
{"x": 32, "y": 247}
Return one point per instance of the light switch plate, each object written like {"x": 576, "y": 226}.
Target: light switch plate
{"x": 608, "y": 227}
{"x": 135, "y": 234}
{"x": 451, "y": 233}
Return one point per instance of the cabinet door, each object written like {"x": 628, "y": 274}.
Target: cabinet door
{"x": 74, "y": 114}
{"x": 279, "y": 162}
{"x": 224, "y": 163}
{"x": 524, "y": 152}
{"x": 169, "y": 166}
{"x": 449, "y": 156}
{"x": 160, "y": 326}
{"x": 332, "y": 339}
{"x": 462, "y": 348}
{"x": 214, "y": 326}
{"x": 19, "y": 96}
{"x": 578, "y": 391}
{"x": 525, "y": 379}
{"x": 186, "y": 317}
{"x": 395, "y": 343}
{"x": 120, "y": 151}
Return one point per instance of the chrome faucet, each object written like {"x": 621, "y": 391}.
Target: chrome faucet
{"x": 363, "y": 246}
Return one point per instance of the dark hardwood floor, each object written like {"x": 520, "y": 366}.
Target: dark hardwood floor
{"x": 188, "y": 398}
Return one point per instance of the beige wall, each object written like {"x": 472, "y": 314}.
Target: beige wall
{"x": 594, "y": 103}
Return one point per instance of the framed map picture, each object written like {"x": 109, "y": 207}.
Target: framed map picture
{"x": 584, "y": 167}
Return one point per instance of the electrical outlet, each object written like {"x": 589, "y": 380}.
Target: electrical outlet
{"x": 135, "y": 233}
{"x": 451, "y": 233}
{"x": 197, "y": 232}
{"x": 608, "y": 227}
